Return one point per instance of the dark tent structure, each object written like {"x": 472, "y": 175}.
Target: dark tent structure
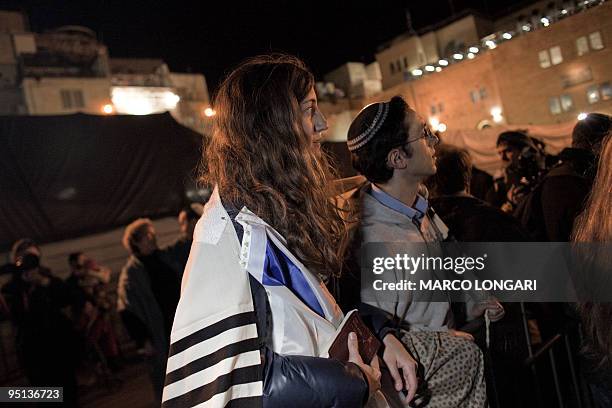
{"x": 67, "y": 176}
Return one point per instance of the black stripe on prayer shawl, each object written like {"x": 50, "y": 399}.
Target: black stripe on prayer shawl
{"x": 220, "y": 385}
{"x": 209, "y": 360}
{"x": 213, "y": 330}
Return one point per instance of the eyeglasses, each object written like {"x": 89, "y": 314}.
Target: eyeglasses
{"x": 430, "y": 137}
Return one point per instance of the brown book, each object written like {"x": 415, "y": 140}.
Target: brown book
{"x": 368, "y": 343}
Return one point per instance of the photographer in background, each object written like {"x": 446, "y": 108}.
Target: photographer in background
{"x": 524, "y": 163}
{"x": 45, "y": 341}
{"x": 549, "y": 211}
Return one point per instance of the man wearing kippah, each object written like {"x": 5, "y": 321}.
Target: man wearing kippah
{"x": 393, "y": 149}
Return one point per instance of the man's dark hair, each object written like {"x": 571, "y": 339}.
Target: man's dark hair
{"x": 590, "y": 132}
{"x": 371, "y": 159}
{"x": 454, "y": 170}
{"x": 191, "y": 213}
{"x": 514, "y": 138}
{"x": 20, "y": 247}
{"x": 73, "y": 258}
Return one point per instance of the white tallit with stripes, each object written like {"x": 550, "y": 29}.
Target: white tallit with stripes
{"x": 214, "y": 358}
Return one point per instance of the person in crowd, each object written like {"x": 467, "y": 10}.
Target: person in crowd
{"x": 523, "y": 162}
{"x": 26, "y": 246}
{"x": 472, "y": 220}
{"x": 549, "y": 211}
{"x": 393, "y": 148}
{"x": 468, "y": 218}
{"x": 480, "y": 183}
{"x": 187, "y": 220}
{"x": 45, "y": 339}
{"x": 252, "y": 291}
{"x": 594, "y": 225}
{"x": 147, "y": 295}
{"x": 91, "y": 308}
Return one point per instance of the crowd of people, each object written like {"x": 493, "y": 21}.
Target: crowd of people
{"x": 65, "y": 330}
{"x": 239, "y": 311}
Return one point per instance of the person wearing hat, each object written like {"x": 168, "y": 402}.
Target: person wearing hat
{"x": 393, "y": 148}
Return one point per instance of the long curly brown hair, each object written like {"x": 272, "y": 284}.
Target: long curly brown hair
{"x": 259, "y": 156}
{"x": 594, "y": 225}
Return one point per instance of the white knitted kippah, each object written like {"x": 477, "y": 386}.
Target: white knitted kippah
{"x": 367, "y": 135}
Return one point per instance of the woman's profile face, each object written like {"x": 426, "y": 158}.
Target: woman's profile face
{"x": 313, "y": 121}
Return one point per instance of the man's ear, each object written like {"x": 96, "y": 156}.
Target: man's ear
{"x": 396, "y": 160}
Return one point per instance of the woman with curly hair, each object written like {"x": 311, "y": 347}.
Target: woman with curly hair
{"x": 254, "y": 316}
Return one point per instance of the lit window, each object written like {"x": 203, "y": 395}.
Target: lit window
{"x": 474, "y": 96}
{"x": 582, "y": 45}
{"x": 554, "y": 105}
{"x": 593, "y": 94}
{"x": 606, "y": 91}
{"x": 595, "y": 39}
{"x": 544, "y": 59}
{"x": 555, "y": 55}
{"x": 567, "y": 104}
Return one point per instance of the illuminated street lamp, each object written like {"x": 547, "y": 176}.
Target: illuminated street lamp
{"x": 209, "y": 112}
{"x": 471, "y": 55}
{"x": 545, "y": 21}
{"x": 438, "y": 69}
{"x": 108, "y": 109}
{"x": 582, "y": 116}
{"x": 441, "y": 128}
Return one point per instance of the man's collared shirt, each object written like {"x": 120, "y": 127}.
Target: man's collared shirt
{"x": 415, "y": 213}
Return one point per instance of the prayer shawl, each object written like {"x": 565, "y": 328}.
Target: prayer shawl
{"x": 214, "y": 358}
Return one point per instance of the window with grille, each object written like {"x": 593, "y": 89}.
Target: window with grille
{"x": 567, "y": 103}
{"x": 595, "y": 40}
{"x": 593, "y": 94}
{"x": 582, "y": 45}
{"x": 554, "y": 106}
{"x": 72, "y": 98}
{"x": 555, "y": 55}
{"x": 606, "y": 91}
{"x": 544, "y": 59}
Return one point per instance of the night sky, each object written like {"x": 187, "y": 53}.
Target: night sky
{"x": 213, "y": 36}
